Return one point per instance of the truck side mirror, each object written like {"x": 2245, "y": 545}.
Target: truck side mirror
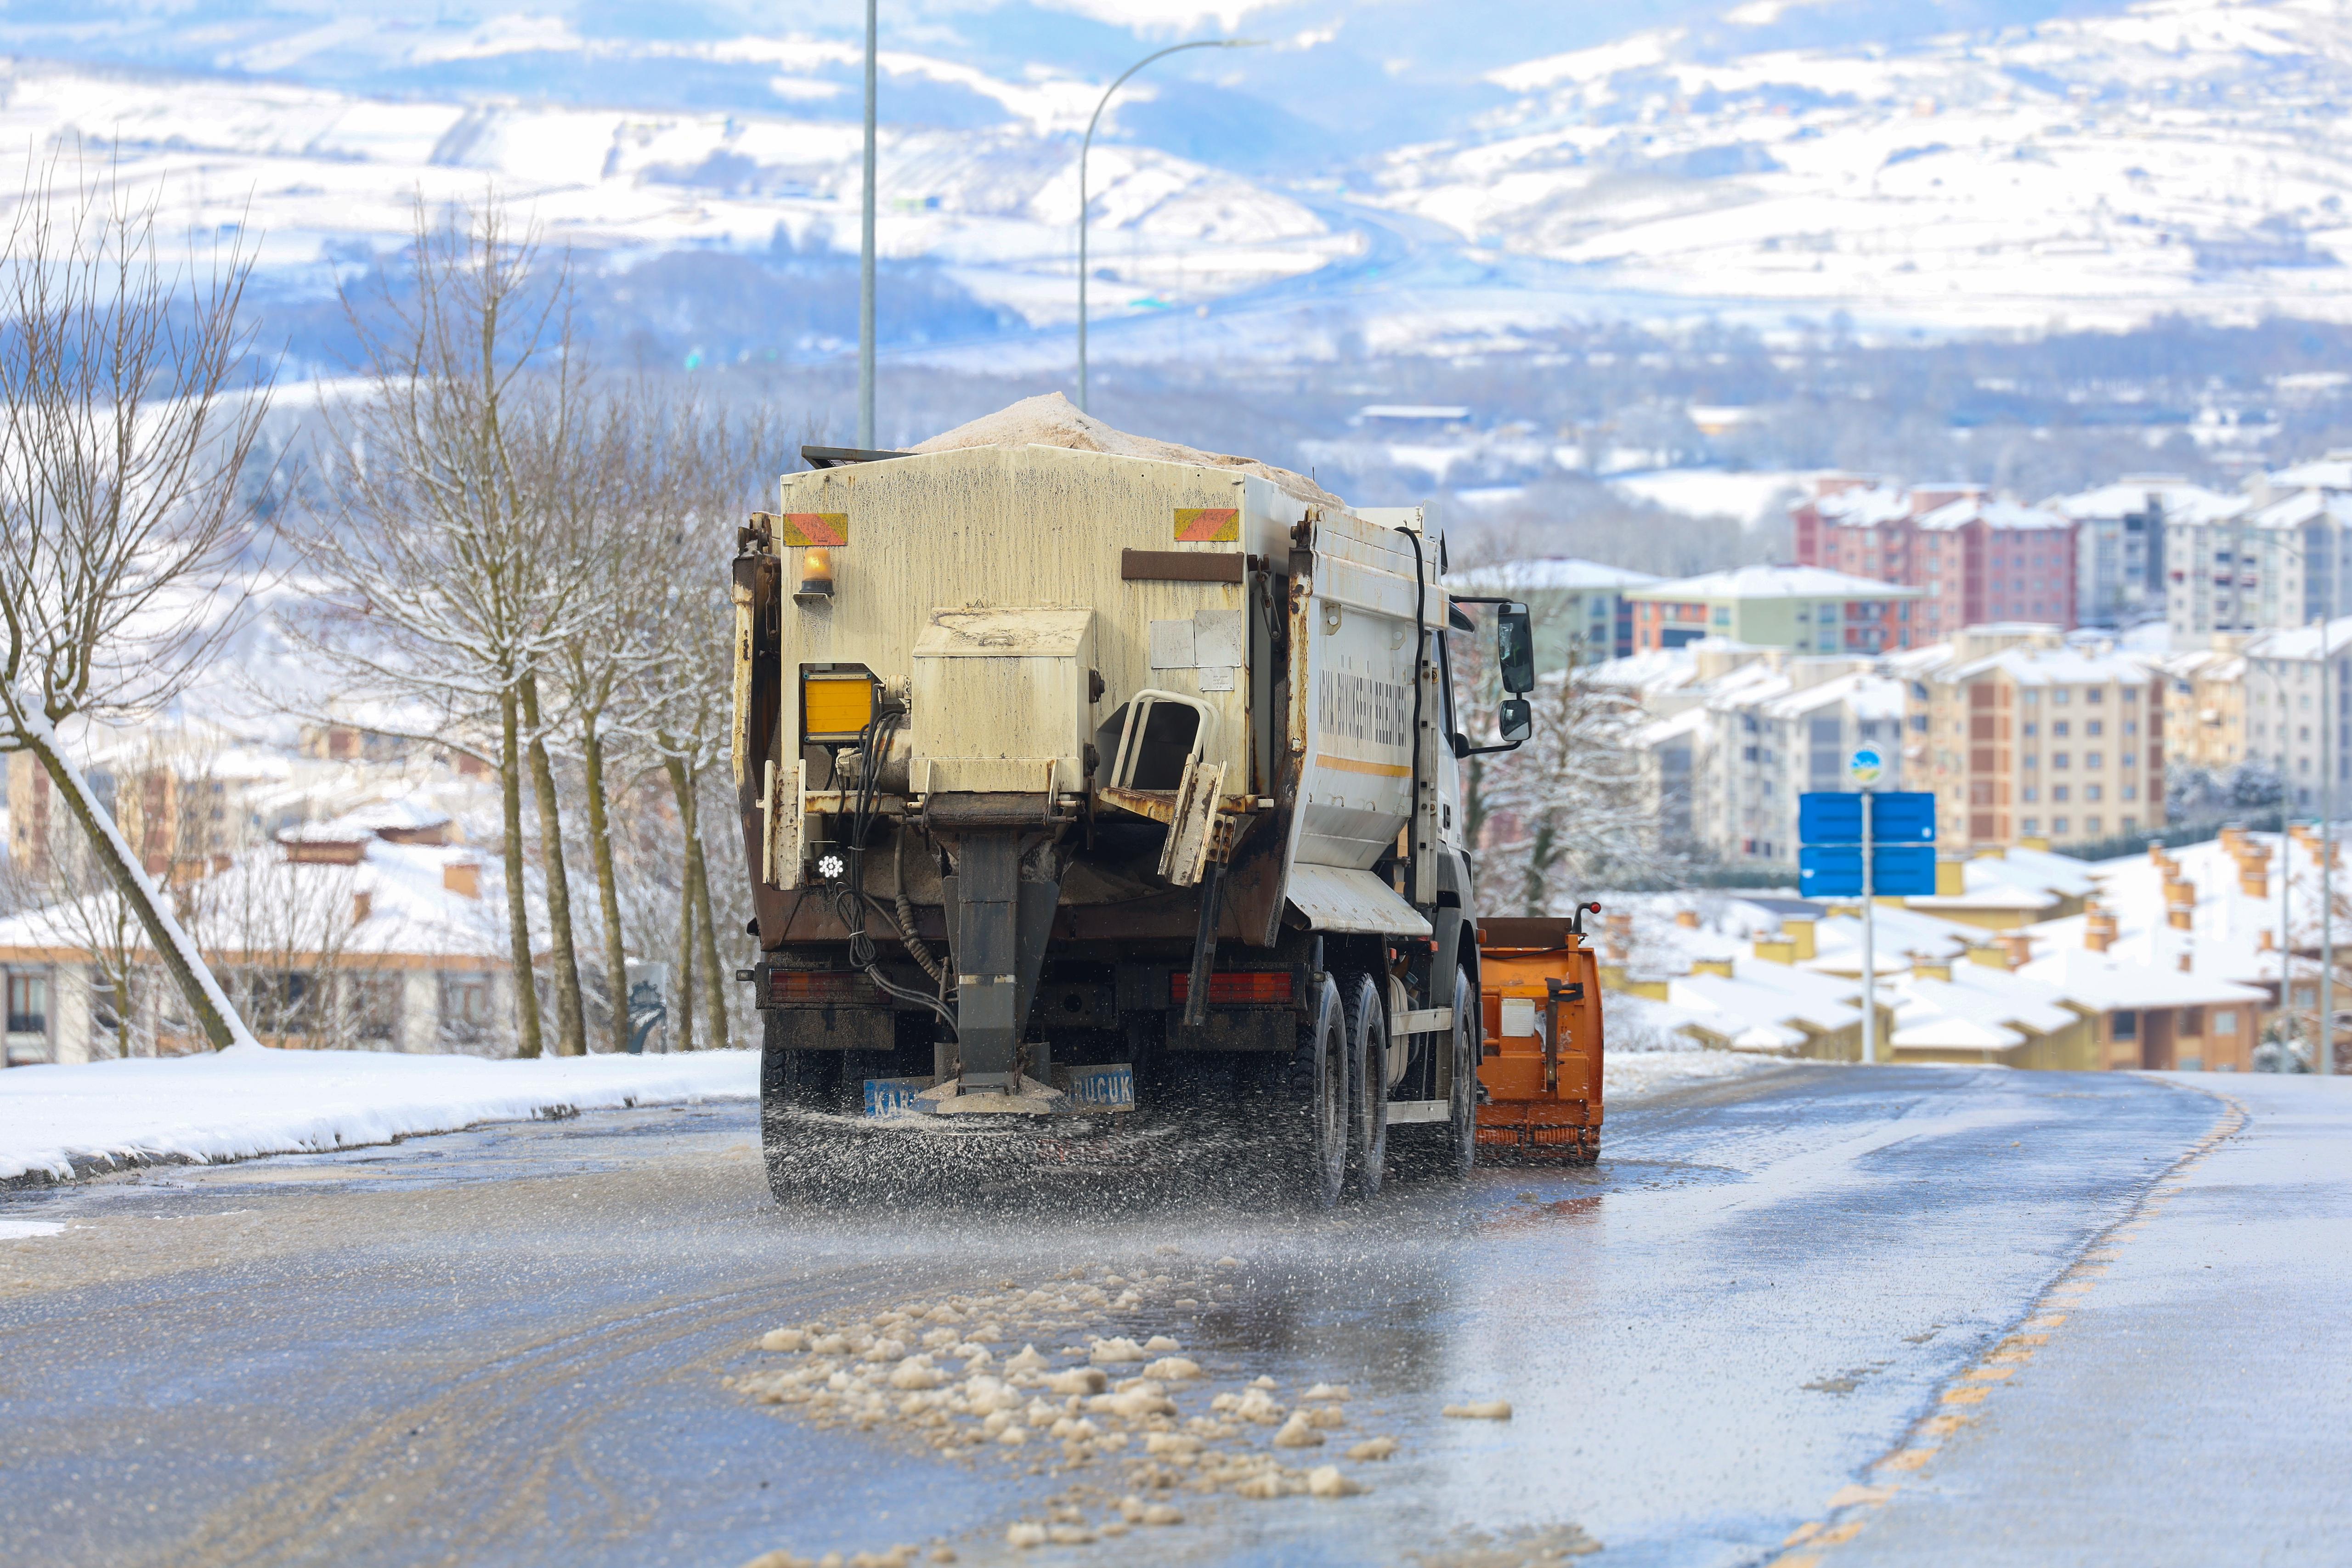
{"x": 1516, "y": 720}
{"x": 1515, "y": 652}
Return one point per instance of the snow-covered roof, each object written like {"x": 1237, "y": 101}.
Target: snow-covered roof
{"x": 2229, "y": 928}
{"x": 1689, "y": 721}
{"x": 1837, "y": 940}
{"x": 2302, "y": 507}
{"x": 393, "y": 904}
{"x": 2054, "y": 667}
{"x": 2301, "y": 642}
{"x": 1761, "y": 1004}
{"x": 2331, "y": 472}
{"x": 1870, "y": 696}
{"x": 1976, "y": 1009}
{"x": 2182, "y": 500}
{"x": 2006, "y": 515}
{"x": 1547, "y": 573}
{"x": 1862, "y": 506}
{"x": 1774, "y": 583}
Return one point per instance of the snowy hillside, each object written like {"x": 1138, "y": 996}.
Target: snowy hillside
{"x": 2189, "y": 155}
{"x": 311, "y": 170}
{"x": 1411, "y": 176}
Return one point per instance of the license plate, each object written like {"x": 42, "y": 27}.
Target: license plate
{"x": 893, "y": 1096}
{"x": 1102, "y": 1089}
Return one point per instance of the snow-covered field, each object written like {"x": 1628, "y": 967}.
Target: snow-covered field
{"x": 2083, "y": 173}
{"x": 302, "y": 172}
{"x": 251, "y": 1100}
{"x": 2089, "y": 171}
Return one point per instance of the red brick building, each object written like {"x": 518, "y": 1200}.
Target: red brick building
{"x": 1978, "y": 560}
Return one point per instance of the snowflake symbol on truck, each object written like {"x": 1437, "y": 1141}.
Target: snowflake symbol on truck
{"x": 830, "y": 868}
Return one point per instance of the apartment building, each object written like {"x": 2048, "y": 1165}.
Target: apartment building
{"x": 2119, "y": 540}
{"x": 2298, "y": 709}
{"x": 1582, "y": 617}
{"x": 2034, "y": 740}
{"x": 1973, "y": 557}
{"x": 1780, "y": 734}
{"x": 2283, "y": 563}
{"x": 2205, "y": 703}
{"x": 1806, "y": 609}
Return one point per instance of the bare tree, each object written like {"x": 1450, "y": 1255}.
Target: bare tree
{"x": 689, "y": 707}
{"x": 81, "y": 908}
{"x": 1566, "y": 811}
{"x": 125, "y": 522}
{"x": 459, "y": 484}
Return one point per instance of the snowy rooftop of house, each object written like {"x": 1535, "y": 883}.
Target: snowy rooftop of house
{"x": 1690, "y": 721}
{"x": 1870, "y": 696}
{"x": 1557, "y": 572}
{"x": 2304, "y": 507}
{"x": 2228, "y": 926}
{"x": 2331, "y": 472}
{"x": 1774, "y": 583}
{"x": 395, "y": 903}
{"x": 1651, "y": 669}
{"x": 1765, "y": 996}
{"x": 2000, "y": 514}
{"x": 2054, "y": 667}
{"x": 2301, "y": 642}
{"x": 1974, "y": 1009}
{"x": 2182, "y": 500}
{"x": 1862, "y": 506}
{"x": 2204, "y": 663}
{"x": 1837, "y": 940}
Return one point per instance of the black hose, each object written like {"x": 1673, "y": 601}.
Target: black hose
{"x": 851, "y": 902}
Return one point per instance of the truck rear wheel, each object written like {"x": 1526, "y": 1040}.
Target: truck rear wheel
{"x": 1449, "y": 1149}
{"x": 1368, "y": 1087}
{"x": 1308, "y": 1122}
{"x": 795, "y": 1089}
{"x": 1461, "y": 1153}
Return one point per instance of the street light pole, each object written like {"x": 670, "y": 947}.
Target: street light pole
{"x": 1086, "y": 147}
{"x": 2326, "y": 1053}
{"x": 866, "y": 260}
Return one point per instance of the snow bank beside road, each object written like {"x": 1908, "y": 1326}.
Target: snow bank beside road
{"x": 250, "y": 1100}
{"x": 1634, "y": 1073}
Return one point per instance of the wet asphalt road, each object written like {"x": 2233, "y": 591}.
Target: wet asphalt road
{"x": 511, "y": 1345}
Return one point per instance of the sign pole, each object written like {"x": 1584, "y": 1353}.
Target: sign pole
{"x": 1869, "y": 940}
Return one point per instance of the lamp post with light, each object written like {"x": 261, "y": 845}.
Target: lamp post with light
{"x": 1087, "y": 146}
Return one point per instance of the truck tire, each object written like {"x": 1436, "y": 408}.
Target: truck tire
{"x": 1307, "y": 1118}
{"x": 1368, "y": 1086}
{"x": 1462, "y": 1121}
{"x": 796, "y": 1088}
{"x": 1448, "y": 1150}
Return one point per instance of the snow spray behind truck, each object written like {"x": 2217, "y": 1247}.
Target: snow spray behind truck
{"x": 1085, "y": 780}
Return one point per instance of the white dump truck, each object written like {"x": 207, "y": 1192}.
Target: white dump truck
{"x": 1085, "y": 791}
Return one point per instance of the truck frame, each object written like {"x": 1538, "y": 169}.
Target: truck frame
{"x": 1078, "y": 789}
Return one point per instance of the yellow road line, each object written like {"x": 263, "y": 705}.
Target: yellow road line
{"x": 2001, "y": 1363}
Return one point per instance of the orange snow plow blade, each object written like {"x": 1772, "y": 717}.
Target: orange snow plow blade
{"x": 1539, "y": 1074}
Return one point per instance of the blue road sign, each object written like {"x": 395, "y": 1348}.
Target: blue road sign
{"x": 1826, "y": 817}
{"x": 1898, "y": 817}
{"x": 1835, "y": 870}
{"x": 1829, "y": 870}
{"x": 1903, "y": 816}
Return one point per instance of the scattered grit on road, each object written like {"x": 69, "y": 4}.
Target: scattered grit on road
{"x": 1754, "y": 1333}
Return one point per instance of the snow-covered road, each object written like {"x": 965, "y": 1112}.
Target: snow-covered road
{"x": 60, "y": 1121}
{"x": 539, "y": 1341}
